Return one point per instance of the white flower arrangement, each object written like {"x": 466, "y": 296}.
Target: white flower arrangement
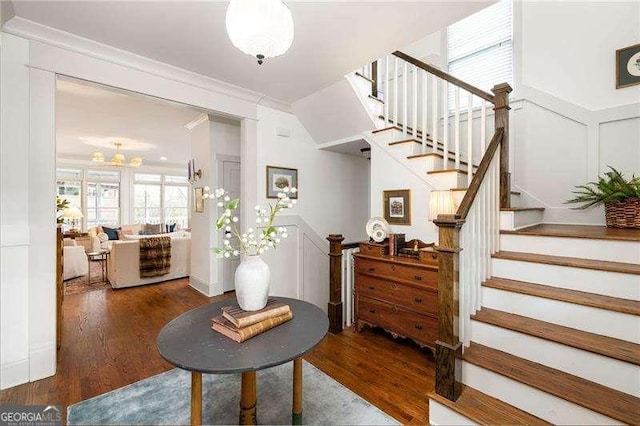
{"x": 252, "y": 242}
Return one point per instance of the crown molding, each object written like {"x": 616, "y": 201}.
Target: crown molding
{"x": 196, "y": 121}
{"x": 54, "y": 37}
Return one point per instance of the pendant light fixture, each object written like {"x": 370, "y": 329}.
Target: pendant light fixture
{"x": 260, "y": 28}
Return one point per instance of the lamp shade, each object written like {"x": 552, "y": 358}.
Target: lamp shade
{"x": 72, "y": 213}
{"x": 440, "y": 202}
{"x": 261, "y": 28}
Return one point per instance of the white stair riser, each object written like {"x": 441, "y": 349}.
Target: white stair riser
{"x": 609, "y": 372}
{"x": 425, "y": 164}
{"x": 514, "y": 220}
{"x": 377, "y": 108}
{"x": 447, "y": 180}
{"x": 610, "y": 250}
{"x": 614, "y": 284}
{"x": 440, "y": 415}
{"x": 541, "y": 404}
{"x": 593, "y": 320}
{"x": 403, "y": 150}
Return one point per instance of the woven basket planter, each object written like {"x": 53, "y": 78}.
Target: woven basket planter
{"x": 623, "y": 214}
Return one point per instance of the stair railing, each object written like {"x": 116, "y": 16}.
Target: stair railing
{"x": 340, "y": 307}
{"x": 429, "y": 105}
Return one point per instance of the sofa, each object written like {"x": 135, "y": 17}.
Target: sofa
{"x": 123, "y": 264}
{"x": 74, "y": 260}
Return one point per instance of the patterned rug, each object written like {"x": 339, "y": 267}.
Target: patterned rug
{"x": 164, "y": 400}
{"x": 81, "y": 284}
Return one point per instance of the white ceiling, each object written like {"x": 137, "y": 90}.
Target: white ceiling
{"x": 332, "y": 38}
{"x": 90, "y": 117}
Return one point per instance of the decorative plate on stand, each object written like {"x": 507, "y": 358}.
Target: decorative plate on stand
{"x": 378, "y": 229}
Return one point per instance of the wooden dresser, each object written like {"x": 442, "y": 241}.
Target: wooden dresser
{"x": 399, "y": 294}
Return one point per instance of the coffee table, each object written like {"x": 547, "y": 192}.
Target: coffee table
{"x": 189, "y": 343}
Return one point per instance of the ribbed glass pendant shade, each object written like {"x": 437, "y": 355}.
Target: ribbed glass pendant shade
{"x": 260, "y": 28}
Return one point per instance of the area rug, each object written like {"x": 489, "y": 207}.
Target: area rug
{"x": 81, "y": 284}
{"x": 165, "y": 400}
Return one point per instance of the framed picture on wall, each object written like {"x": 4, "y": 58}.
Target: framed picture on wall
{"x": 198, "y": 200}
{"x": 628, "y": 66}
{"x": 397, "y": 206}
{"x": 279, "y": 178}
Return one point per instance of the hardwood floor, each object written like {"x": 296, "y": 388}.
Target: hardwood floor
{"x": 109, "y": 340}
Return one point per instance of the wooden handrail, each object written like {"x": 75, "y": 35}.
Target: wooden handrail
{"x": 446, "y": 76}
{"x": 478, "y": 177}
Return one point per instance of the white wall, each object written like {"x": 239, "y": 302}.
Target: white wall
{"x": 388, "y": 174}
{"x": 332, "y": 194}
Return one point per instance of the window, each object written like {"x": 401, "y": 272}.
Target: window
{"x": 480, "y": 48}
{"x": 103, "y": 198}
{"x": 161, "y": 199}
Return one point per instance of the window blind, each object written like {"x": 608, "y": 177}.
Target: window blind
{"x": 480, "y": 48}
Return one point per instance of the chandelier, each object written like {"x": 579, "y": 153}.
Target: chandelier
{"x": 118, "y": 160}
{"x": 260, "y": 28}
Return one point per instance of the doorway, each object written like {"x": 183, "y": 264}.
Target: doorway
{"x": 231, "y": 183}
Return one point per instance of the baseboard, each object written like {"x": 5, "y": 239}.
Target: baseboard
{"x": 42, "y": 362}
{"x": 200, "y": 285}
{"x": 14, "y": 373}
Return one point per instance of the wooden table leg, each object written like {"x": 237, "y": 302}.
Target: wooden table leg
{"x": 248, "y": 400}
{"x": 196, "y": 398}
{"x": 296, "y": 416}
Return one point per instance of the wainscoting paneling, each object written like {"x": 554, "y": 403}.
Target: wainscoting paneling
{"x": 620, "y": 145}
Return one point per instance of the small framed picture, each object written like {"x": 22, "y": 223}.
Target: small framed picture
{"x": 198, "y": 200}
{"x": 628, "y": 66}
{"x": 279, "y": 178}
{"x": 397, "y": 206}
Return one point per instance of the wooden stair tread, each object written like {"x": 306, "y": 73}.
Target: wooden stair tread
{"x": 365, "y": 77}
{"x": 575, "y": 262}
{"x": 580, "y": 231}
{"x": 464, "y": 189}
{"x": 376, "y": 99}
{"x": 410, "y": 140}
{"x": 435, "y": 154}
{"x": 609, "y": 303}
{"x": 447, "y": 170}
{"x": 485, "y": 409}
{"x": 520, "y": 209}
{"x": 593, "y": 396}
{"x": 595, "y": 343}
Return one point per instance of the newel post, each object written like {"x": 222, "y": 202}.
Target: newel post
{"x": 501, "y": 108}
{"x": 335, "y": 283}
{"x": 448, "y": 345}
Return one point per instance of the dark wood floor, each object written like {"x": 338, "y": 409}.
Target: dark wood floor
{"x": 109, "y": 341}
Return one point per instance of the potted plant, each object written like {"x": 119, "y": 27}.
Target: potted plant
{"x": 252, "y": 275}
{"x": 61, "y": 204}
{"x": 621, "y": 198}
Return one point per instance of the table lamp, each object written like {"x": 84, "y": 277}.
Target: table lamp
{"x": 440, "y": 202}
{"x": 73, "y": 215}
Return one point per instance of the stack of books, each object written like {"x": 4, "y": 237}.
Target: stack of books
{"x": 242, "y": 325}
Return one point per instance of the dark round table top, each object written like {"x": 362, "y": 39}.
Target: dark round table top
{"x": 189, "y": 342}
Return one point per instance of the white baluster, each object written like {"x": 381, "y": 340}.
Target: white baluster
{"x": 457, "y": 126}
{"x": 395, "y": 92}
{"x": 434, "y": 114}
{"x": 415, "y": 102}
{"x": 469, "y": 139}
{"x": 424, "y": 111}
{"x": 445, "y": 124}
{"x": 386, "y": 97}
{"x": 405, "y": 99}
{"x": 483, "y": 127}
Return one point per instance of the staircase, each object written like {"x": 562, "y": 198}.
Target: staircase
{"x": 539, "y": 323}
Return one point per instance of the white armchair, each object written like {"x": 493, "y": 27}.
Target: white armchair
{"x": 75, "y": 262}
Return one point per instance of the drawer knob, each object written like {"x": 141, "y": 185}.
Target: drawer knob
{"x": 371, "y": 287}
{"x": 394, "y": 309}
{"x": 394, "y": 286}
{"x": 418, "y": 326}
{"x": 373, "y": 311}
{"x": 372, "y": 269}
{"x": 417, "y": 277}
{"x": 393, "y": 267}
{"x": 417, "y": 300}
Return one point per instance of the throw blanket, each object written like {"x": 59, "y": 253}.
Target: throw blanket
{"x": 155, "y": 256}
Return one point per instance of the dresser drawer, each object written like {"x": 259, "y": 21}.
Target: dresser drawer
{"x": 424, "y": 276}
{"x": 422, "y": 328}
{"x": 410, "y": 297}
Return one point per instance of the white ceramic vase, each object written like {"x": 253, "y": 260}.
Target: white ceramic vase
{"x": 252, "y": 283}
